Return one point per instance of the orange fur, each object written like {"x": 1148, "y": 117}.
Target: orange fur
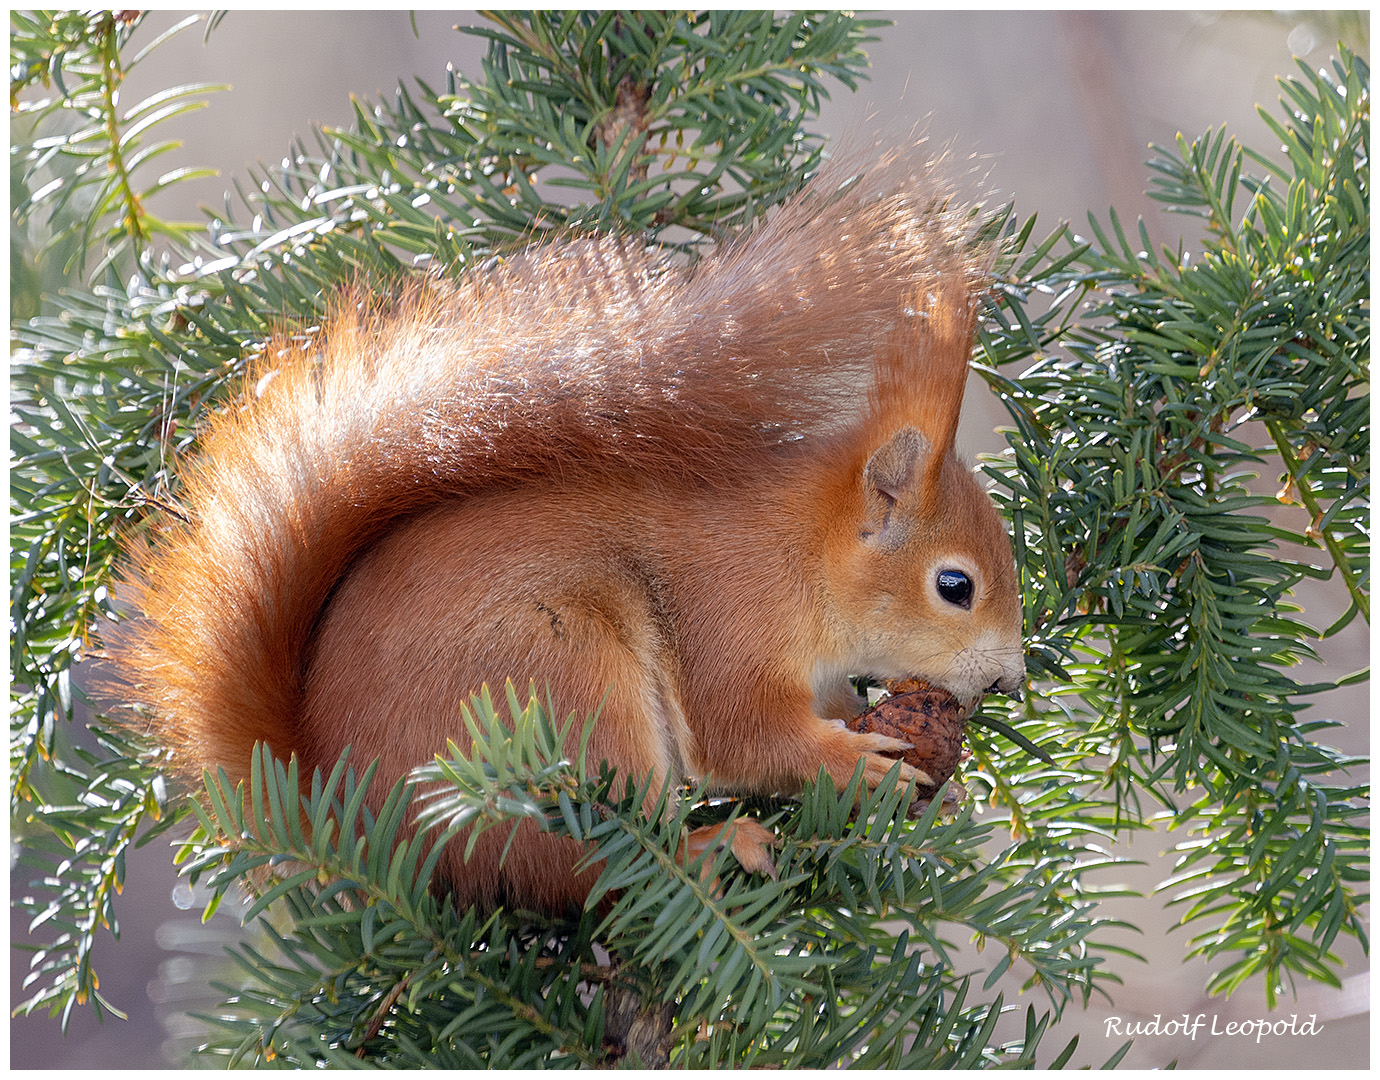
{"x": 702, "y": 498}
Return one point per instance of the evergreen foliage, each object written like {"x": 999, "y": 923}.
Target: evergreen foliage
{"x": 797, "y": 972}
{"x": 1148, "y": 392}
{"x": 1155, "y": 388}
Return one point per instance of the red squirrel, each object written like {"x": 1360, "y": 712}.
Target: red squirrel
{"x": 695, "y": 499}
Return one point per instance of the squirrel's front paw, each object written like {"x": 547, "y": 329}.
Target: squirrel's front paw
{"x": 840, "y": 749}
{"x": 874, "y": 745}
{"x": 877, "y": 767}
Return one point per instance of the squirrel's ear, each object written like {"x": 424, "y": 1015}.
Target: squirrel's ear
{"x": 920, "y": 377}
{"x": 894, "y": 470}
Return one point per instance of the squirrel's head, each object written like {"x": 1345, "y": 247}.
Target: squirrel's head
{"x": 930, "y": 590}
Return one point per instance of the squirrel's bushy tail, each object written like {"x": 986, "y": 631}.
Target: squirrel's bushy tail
{"x": 573, "y": 358}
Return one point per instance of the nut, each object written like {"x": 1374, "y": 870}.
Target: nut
{"x": 931, "y": 720}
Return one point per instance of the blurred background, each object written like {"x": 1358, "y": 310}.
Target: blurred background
{"x": 1060, "y": 109}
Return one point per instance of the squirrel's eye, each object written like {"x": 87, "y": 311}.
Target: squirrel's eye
{"x": 956, "y": 587}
